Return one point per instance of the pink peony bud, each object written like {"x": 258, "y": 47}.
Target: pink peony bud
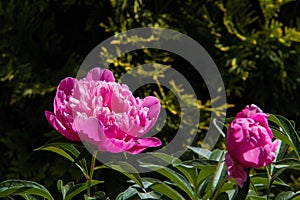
{"x": 104, "y": 113}
{"x": 249, "y": 143}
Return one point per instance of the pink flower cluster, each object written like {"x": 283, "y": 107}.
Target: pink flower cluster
{"x": 249, "y": 143}
{"x": 104, "y": 113}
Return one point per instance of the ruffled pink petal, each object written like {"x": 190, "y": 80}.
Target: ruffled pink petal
{"x": 64, "y": 90}
{"x": 253, "y": 157}
{"x": 128, "y": 124}
{"x": 235, "y": 171}
{"x": 115, "y": 145}
{"x": 58, "y": 126}
{"x": 97, "y": 74}
{"x": 154, "y": 106}
{"x": 120, "y": 100}
{"x": 89, "y": 129}
{"x": 249, "y": 111}
{"x": 272, "y": 147}
{"x": 104, "y": 113}
{"x": 143, "y": 144}
{"x": 154, "y": 109}
{"x": 235, "y": 137}
{"x": 275, "y": 145}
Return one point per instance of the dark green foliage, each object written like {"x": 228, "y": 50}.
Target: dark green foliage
{"x": 41, "y": 42}
{"x": 255, "y": 44}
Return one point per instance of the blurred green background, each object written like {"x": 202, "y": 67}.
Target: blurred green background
{"x": 255, "y": 44}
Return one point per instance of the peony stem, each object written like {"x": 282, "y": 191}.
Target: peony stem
{"x": 90, "y": 178}
{"x": 269, "y": 182}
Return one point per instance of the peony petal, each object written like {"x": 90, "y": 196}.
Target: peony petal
{"x": 154, "y": 109}
{"x": 114, "y": 145}
{"x": 235, "y": 171}
{"x": 64, "y": 90}
{"x": 89, "y": 129}
{"x": 249, "y": 111}
{"x": 262, "y": 119}
{"x": 97, "y": 74}
{"x": 252, "y": 157}
{"x": 119, "y": 100}
{"x": 154, "y": 106}
{"x": 143, "y": 144}
{"x": 107, "y": 76}
{"x": 58, "y": 126}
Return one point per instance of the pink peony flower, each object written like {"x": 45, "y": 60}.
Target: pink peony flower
{"x": 249, "y": 143}
{"x": 104, "y": 113}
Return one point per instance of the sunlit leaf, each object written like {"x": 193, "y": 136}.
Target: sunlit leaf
{"x": 127, "y": 194}
{"x": 251, "y": 197}
{"x": 22, "y": 187}
{"x": 217, "y": 155}
{"x": 167, "y": 191}
{"x": 288, "y": 130}
{"x": 219, "y": 176}
{"x": 64, "y": 188}
{"x": 203, "y": 175}
{"x": 78, "y": 188}
{"x": 68, "y": 151}
{"x": 289, "y": 163}
{"x": 260, "y": 181}
{"x": 190, "y": 174}
{"x": 179, "y": 180}
{"x": 167, "y": 158}
{"x": 201, "y": 152}
{"x": 127, "y": 169}
{"x": 288, "y": 195}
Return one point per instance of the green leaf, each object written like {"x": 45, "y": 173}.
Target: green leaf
{"x": 189, "y": 173}
{"x": 7, "y": 198}
{"x": 217, "y": 155}
{"x": 251, "y": 197}
{"x": 260, "y": 180}
{"x": 127, "y": 194}
{"x": 100, "y": 195}
{"x": 277, "y": 172}
{"x": 281, "y": 150}
{"x": 149, "y": 195}
{"x": 201, "y": 152}
{"x": 81, "y": 157}
{"x": 64, "y": 188}
{"x": 68, "y": 151}
{"x": 289, "y": 163}
{"x": 160, "y": 159}
{"x": 287, "y": 195}
{"x": 281, "y": 136}
{"x": 78, "y": 188}
{"x": 223, "y": 196}
{"x": 32, "y": 197}
{"x": 200, "y": 163}
{"x": 205, "y": 191}
{"x": 22, "y": 187}
{"x": 289, "y": 130}
{"x": 89, "y": 198}
{"x": 179, "y": 180}
{"x": 203, "y": 175}
{"x": 166, "y": 190}
{"x": 153, "y": 184}
{"x": 219, "y": 176}
{"x": 127, "y": 169}
{"x": 167, "y": 158}
{"x": 295, "y": 196}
